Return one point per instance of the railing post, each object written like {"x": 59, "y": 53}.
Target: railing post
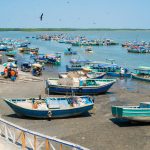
{"x": 60, "y": 146}
{"x": 34, "y": 142}
{"x": 23, "y": 140}
{"x": 47, "y": 144}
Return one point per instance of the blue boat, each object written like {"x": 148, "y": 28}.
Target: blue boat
{"x": 51, "y": 107}
{"x": 110, "y": 69}
{"x": 78, "y": 86}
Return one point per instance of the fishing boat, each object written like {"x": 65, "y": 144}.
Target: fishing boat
{"x": 138, "y": 50}
{"x": 110, "y": 69}
{"x": 48, "y": 58}
{"x": 89, "y": 50}
{"x": 69, "y": 51}
{"x": 78, "y": 86}
{"x": 79, "y": 74}
{"x": 142, "y": 73}
{"x": 51, "y": 107}
{"x": 136, "y": 113}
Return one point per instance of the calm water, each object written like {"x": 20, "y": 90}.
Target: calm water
{"x": 101, "y": 53}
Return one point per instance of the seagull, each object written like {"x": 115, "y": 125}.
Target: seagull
{"x": 41, "y": 17}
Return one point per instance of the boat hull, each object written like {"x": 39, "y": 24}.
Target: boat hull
{"x": 78, "y": 90}
{"x": 131, "y": 113}
{"x": 134, "y": 76}
{"x": 56, "y": 113}
{"x": 114, "y": 74}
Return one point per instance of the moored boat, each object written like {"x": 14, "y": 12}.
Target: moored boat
{"x": 51, "y": 107}
{"x": 142, "y": 73}
{"x": 136, "y": 113}
{"x": 78, "y": 86}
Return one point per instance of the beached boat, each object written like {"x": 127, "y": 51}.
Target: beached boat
{"x": 136, "y": 113}
{"x": 51, "y": 107}
{"x": 142, "y": 73}
{"x": 78, "y": 86}
{"x": 79, "y": 74}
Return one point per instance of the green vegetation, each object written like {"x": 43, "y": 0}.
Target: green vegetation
{"x": 66, "y": 29}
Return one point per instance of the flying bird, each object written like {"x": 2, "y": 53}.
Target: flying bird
{"x": 41, "y": 17}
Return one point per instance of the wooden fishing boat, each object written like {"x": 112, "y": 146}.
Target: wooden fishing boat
{"x": 142, "y": 73}
{"x": 51, "y": 107}
{"x": 79, "y": 74}
{"x": 78, "y": 86}
{"x": 136, "y": 113}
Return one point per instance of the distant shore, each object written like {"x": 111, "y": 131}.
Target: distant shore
{"x": 70, "y": 29}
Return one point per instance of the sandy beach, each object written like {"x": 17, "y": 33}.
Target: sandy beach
{"x": 98, "y": 130}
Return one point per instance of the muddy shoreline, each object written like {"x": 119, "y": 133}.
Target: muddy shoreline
{"x": 98, "y": 130}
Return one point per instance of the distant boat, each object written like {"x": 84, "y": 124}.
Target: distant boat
{"x": 136, "y": 113}
{"x": 69, "y": 51}
{"x": 142, "y": 73}
{"x": 51, "y": 107}
{"x": 77, "y": 86}
{"x": 89, "y": 50}
{"x": 110, "y": 69}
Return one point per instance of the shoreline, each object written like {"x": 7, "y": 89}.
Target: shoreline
{"x": 71, "y": 29}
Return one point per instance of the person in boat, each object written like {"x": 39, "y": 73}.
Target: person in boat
{"x": 34, "y": 104}
{"x": 9, "y": 72}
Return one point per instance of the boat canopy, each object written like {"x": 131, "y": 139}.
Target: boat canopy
{"x": 143, "y": 68}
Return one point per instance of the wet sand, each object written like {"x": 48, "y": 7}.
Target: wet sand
{"x": 98, "y": 130}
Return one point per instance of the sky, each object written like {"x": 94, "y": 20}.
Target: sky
{"x": 75, "y": 14}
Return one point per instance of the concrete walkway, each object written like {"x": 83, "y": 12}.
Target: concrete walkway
{"x": 6, "y": 145}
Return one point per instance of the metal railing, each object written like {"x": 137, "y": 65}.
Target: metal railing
{"x": 28, "y": 139}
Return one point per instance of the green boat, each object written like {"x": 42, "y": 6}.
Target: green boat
{"x": 142, "y": 73}
{"x": 135, "y": 113}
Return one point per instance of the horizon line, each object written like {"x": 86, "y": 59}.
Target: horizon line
{"x": 66, "y": 28}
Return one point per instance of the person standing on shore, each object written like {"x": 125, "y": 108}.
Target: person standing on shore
{"x": 6, "y": 72}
